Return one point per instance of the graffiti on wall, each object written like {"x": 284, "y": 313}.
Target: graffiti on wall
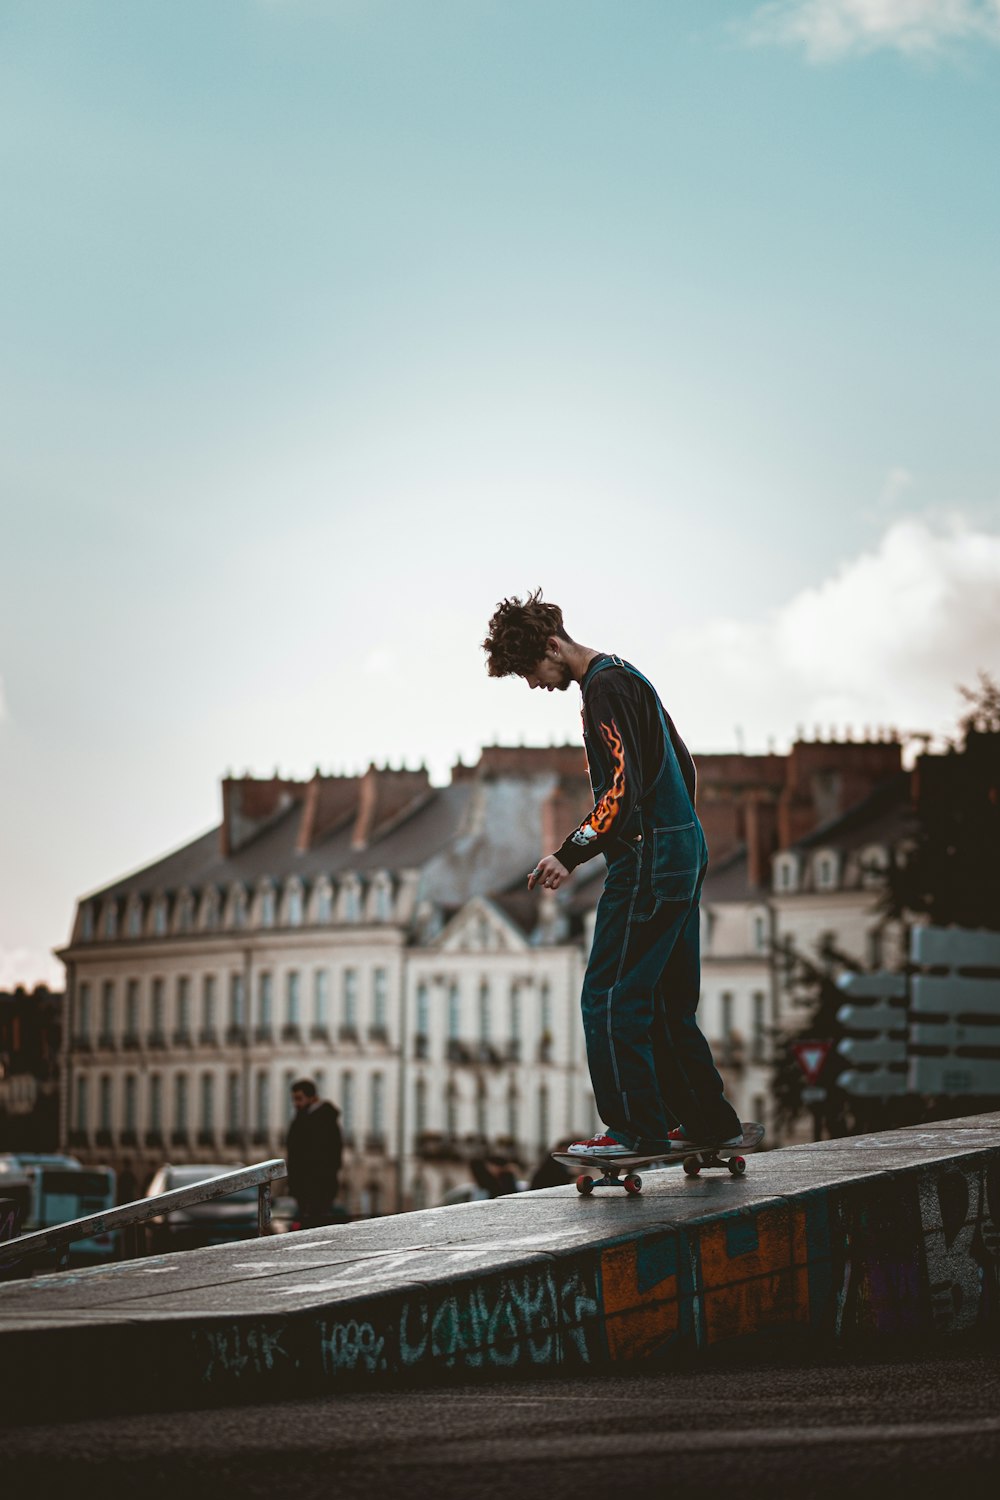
{"x": 960, "y": 1225}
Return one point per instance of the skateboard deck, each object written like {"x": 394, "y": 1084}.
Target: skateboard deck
{"x": 692, "y": 1159}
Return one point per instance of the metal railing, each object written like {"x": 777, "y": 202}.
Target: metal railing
{"x": 129, "y": 1215}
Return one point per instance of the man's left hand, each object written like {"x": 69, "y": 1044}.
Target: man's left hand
{"x": 549, "y": 872}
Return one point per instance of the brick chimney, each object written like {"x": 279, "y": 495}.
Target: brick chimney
{"x": 330, "y": 803}
{"x": 761, "y": 824}
{"x": 249, "y": 805}
{"x": 384, "y": 798}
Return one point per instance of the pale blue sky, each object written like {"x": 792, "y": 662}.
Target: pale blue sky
{"x": 326, "y": 323}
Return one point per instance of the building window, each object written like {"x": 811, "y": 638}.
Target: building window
{"x": 83, "y": 1013}
{"x": 107, "y": 1010}
{"x": 233, "y": 1110}
{"x": 351, "y": 897}
{"x": 759, "y": 1026}
{"x": 135, "y": 919}
{"x": 484, "y": 1012}
{"x": 350, "y": 1000}
{"x": 726, "y": 1014}
{"x": 207, "y": 1103}
{"x": 423, "y": 1010}
{"x": 262, "y": 1104}
{"x": 451, "y": 1110}
{"x": 111, "y": 920}
{"x": 545, "y": 1010}
{"x": 293, "y": 1016}
{"x": 104, "y": 1102}
{"x": 208, "y": 1004}
{"x": 383, "y": 902}
{"x": 515, "y": 1013}
{"x": 87, "y": 923}
{"x": 513, "y": 1113}
{"x": 131, "y": 1101}
{"x": 264, "y": 1011}
{"x": 454, "y": 1013}
{"x": 160, "y": 917}
{"x": 155, "y": 1102}
{"x": 132, "y": 1009}
{"x": 181, "y": 1092}
{"x": 321, "y": 999}
{"x": 236, "y": 1001}
{"x": 760, "y": 943}
{"x": 378, "y": 1105}
{"x": 156, "y": 1011}
{"x": 295, "y": 906}
{"x": 543, "y": 1118}
{"x": 826, "y": 872}
{"x": 481, "y": 1108}
{"x": 185, "y": 918}
{"x": 380, "y": 1000}
{"x": 324, "y": 903}
{"x": 420, "y": 1106}
{"x": 183, "y": 1007}
{"x": 267, "y": 908}
{"x": 82, "y": 1102}
{"x": 347, "y": 1102}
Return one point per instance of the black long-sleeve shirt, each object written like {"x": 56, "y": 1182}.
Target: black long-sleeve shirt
{"x": 624, "y": 739}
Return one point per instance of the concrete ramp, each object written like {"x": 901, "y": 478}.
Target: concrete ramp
{"x": 863, "y": 1238}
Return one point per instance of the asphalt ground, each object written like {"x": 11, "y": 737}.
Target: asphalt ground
{"x": 850, "y": 1427}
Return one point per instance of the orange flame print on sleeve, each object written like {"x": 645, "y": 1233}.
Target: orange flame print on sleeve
{"x": 600, "y": 820}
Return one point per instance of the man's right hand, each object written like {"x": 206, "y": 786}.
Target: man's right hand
{"x": 549, "y": 872}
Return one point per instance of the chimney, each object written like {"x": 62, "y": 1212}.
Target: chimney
{"x": 384, "y": 798}
{"x": 761, "y": 819}
{"x": 248, "y": 806}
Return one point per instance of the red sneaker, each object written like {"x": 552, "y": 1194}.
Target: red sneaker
{"x": 600, "y": 1145}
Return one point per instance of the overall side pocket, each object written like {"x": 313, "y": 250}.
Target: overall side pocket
{"x": 678, "y": 855}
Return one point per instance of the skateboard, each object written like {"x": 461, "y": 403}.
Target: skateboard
{"x": 692, "y": 1160}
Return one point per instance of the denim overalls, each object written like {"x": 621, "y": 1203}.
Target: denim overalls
{"x": 650, "y": 1065}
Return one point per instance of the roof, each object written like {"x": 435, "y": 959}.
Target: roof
{"x": 886, "y": 816}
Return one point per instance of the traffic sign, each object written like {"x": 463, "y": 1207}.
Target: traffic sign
{"x": 811, "y": 1056}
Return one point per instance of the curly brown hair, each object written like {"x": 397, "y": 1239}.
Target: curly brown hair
{"x": 519, "y": 630}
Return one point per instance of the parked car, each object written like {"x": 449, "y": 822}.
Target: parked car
{"x": 53, "y": 1190}
{"x": 216, "y": 1222}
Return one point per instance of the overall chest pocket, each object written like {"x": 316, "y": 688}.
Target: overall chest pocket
{"x": 678, "y": 855}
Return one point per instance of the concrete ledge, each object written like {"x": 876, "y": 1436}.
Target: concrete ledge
{"x": 865, "y": 1238}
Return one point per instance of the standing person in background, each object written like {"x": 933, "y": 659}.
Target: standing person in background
{"x": 655, "y": 1082}
{"x": 315, "y": 1148}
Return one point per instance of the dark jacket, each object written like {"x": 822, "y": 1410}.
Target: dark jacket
{"x": 314, "y": 1150}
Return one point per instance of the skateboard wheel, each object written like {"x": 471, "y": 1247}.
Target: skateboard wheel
{"x": 692, "y": 1166}
{"x": 632, "y": 1183}
{"x": 585, "y": 1185}
{"x": 737, "y": 1165}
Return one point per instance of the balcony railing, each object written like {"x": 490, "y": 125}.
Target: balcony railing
{"x": 182, "y": 1037}
{"x": 156, "y": 1041}
{"x": 131, "y": 1042}
{"x": 208, "y": 1037}
{"x": 319, "y": 1032}
{"x": 107, "y": 1042}
{"x": 378, "y": 1033}
{"x": 421, "y": 1045}
{"x": 291, "y": 1033}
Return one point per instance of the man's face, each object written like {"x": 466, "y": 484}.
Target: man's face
{"x": 300, "y": 1100}
{"x": 553, "y": 676}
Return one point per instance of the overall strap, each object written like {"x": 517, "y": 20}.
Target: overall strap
{"x": 666, "y": 723}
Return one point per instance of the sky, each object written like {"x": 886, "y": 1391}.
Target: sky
{"x": 326, "y": 324}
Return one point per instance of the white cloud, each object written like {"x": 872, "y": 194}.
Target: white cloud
{"x": 897, "y": 481}
{"x": 882, "y": 642}
{"x": 833, "y": 29}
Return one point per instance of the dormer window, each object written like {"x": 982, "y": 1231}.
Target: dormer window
{"x": 786, "y": 873}
{"x": 267, "y": 906}
{"x": 237, "y": 907}
{"x": 323, "y": 902}
{"x": 87, "y": 923}
{"x": 874, "y": 864}
{"x": 210, "y": 910}
{"x": 294, "y": 904}
{"x": 350, "y": 899}
{"x": 826, "y": 869}
{"x": 185, "y": 912}
{"x": 160, "y": 916}
{"x": 133, "y": 919}
{"x": 110, "y": 920}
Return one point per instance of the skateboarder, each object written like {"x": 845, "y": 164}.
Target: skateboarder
{"x": 656, "y": 1085}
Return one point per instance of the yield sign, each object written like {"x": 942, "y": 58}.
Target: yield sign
{"x": 811, "y": 1057}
